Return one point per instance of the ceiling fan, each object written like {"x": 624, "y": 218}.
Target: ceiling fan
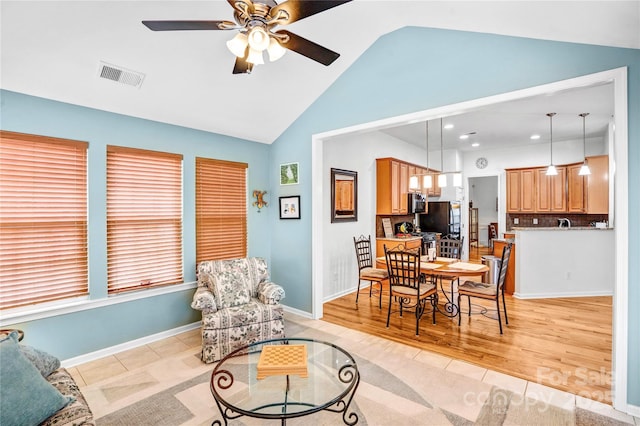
{"x": 255, "y": 20}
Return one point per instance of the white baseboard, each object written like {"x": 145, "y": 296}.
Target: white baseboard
{"x": 92, "y": 356}
{"x": 634, "y": 410}
{"x": 297, "y": 312}
{"x": 558, "y": 295}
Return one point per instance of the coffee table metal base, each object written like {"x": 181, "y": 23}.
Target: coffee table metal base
{"x": 286, "y": 408}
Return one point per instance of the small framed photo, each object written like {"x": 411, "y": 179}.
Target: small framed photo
{"x": 290, "y": 207}
{"x": 289, "y": 174}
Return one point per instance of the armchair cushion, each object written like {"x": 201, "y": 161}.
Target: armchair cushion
{"x": 203, "y": 301}
{"x": 270, "y": 293}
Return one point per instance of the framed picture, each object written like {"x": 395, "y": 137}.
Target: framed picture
{"x": 289, "y": 174}
{"x": 290, "y": 207}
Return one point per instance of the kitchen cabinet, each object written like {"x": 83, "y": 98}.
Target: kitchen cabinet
{"x": 598, "y": 185}
{"x": 392, "y": 186}
{"x": 551, "y": 193}
{"x": 510, "y": 279}
{"x": 576, "y": 189}
{"x": 521, "y": 194}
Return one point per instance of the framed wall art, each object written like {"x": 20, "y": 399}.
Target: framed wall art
{"x": 289, "y": 174}
{"x": 290, "y": 207}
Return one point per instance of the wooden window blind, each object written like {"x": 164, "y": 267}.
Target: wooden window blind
{"x": 43, "y": 219}
{"x": 144, "y": 219}
{"x": 221, "y": 209}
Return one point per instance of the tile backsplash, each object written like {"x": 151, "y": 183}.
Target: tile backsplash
{"x": 551, "y": 220}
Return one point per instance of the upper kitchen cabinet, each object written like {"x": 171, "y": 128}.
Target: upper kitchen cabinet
{"x": 551, "y": 192}
{"x": 598, "y": 185}
{"x": 576, "y": 189}
{"x": 392, "y": 186}
{"x": 521, "y": 193}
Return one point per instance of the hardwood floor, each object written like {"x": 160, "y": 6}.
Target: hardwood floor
{"x": 564, "y": 343}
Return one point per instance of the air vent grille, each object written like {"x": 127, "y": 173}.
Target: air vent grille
{"x": 120, "y": 75}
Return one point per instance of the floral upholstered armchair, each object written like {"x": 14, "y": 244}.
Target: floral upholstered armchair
{"x": 239, "y": 305}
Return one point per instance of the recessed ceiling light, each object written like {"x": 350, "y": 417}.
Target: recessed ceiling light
{"x": 475, "y": 144}
{"x": 464, "y": 137}
{"x": 448, "y": 126}
{"x": 535, "y": 137}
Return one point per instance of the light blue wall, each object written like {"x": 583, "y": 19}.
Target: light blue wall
{"x": 90, "y": 330}
{"x": 415, "y": 69}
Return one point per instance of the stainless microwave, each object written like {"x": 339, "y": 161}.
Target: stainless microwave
{"x": 417, "y": 203}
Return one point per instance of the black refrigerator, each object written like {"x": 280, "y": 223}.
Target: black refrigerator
{"x": 442, "y": 217}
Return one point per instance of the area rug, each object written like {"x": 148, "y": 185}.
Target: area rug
{"x": 399, "y": 385}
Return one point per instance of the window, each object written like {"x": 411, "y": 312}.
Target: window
{"x": 43, "y": 219}
{"x": 144, "y": 219}
{"x": 221, "y": 209}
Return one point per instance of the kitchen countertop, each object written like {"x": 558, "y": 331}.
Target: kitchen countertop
{"x": 409, "y": 237}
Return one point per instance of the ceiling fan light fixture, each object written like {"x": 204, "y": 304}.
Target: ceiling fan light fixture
{"x": 255, "y": 57}
{"x": 258, "y": 38}
{"x": 276, "y": 51}
{"x": 238, "y": 45}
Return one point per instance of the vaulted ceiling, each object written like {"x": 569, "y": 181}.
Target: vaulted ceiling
{"x": 54, "y": 49}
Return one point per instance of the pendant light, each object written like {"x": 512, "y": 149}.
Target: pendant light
{"x": 442, "y": 177}
{"x": 584, "y": 169}
{"x": 551, "y": 170}
{"x": 427, "y": 181}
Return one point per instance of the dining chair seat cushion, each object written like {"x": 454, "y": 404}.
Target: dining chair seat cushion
{"x": 425, "y": 290}
{"x": 374, "y": 274}
{"x": 478, "y": 288}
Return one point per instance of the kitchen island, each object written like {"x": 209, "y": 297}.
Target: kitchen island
{"x": 564, "y": 262}
{"x": 408, "y": 242}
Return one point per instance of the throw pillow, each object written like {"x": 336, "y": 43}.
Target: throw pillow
{"x": 44, "y": 362}
{"x": 25, "y": 396}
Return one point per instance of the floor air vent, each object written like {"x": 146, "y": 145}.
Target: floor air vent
{"x": 121, "y": 75}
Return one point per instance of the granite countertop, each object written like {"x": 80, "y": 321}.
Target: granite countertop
{"x": 557, "y": 228}
{"x": 408, "y": 237}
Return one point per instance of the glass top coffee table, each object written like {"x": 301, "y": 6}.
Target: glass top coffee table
{"x": 331, "y": 381}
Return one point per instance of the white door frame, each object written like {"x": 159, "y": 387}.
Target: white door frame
{"x": 620, "y": 212}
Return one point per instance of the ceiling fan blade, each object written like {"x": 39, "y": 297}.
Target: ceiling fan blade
{"x": 300, "y": 9}
{"x": 242, "y": 66}
{"x": 308, "y": 48}
{"x": 188, "y": 25}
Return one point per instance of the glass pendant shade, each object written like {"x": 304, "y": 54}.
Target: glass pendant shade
{"x": 238, "y": 45}
{"x": 255, "y": 57}
{"x": 442, "y": 180}
{"x": 427, "y": 182}
{"x": 413, "y": 182}
{"x": 551, "y": 170}
{"x": 457, "y": 179}
{"x": 276, "y": 51}
{"x": 584, "y": 170}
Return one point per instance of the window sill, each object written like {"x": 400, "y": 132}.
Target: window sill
{"x": 21, "y": 315}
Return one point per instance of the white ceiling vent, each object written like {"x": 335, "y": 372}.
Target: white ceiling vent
{"x": 120, "y": 74}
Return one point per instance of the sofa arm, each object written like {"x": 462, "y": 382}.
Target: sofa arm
{"x": 270, "y": 293}
{"x": 203, "y": 301}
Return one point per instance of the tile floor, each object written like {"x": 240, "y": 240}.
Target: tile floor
{"x": 122, "y": 372}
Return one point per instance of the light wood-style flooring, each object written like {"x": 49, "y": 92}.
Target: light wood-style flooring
{"x": 564, "y": 343}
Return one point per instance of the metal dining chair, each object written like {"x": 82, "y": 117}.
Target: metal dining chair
{"x": 366, "y": 269}
{"x": 451, "y": 248}
{"x": 407, "y": 285}
{"x": 488, "y": 291}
